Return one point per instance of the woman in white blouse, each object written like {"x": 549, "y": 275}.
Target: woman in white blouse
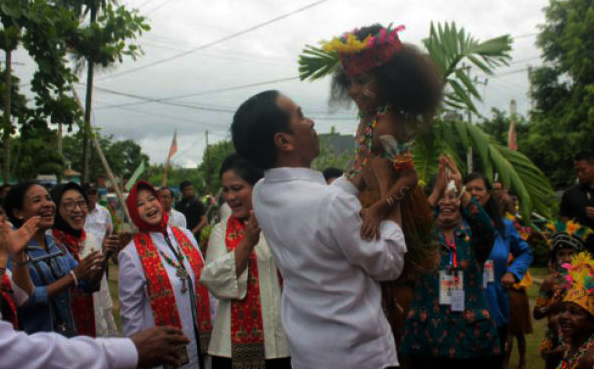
{"x": 159, "y": 271}
{"x": 241, "y": 273}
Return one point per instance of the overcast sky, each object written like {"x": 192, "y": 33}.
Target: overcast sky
{"x": 199, "y": 90}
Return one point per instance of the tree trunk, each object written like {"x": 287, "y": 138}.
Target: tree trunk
{"x": 6, "y": 121}
{"x": 87, "y": 131}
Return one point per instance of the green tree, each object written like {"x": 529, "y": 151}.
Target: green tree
{"x": 331, "y": 156}
{"x": 562, "y": 91}
{"x": 35, "y": 153}
{"x": 208, "y": 170}
{"x": 123, "y": 157}
{"x": 497, "y": 126}
{"x": 104, "y": 40}
{"x": 42, "y": 29}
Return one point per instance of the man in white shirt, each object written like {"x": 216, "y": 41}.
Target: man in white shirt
{"x": 98, "y": 221}
{"x": 149, "y": 348}
{"x": 176, "y": 218}
{"x": 331, "y": 301}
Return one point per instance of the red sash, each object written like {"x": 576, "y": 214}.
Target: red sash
{"x": 8, "y": 295}
{"x": 160, "y": 290}
{"x": 247, "y": 328}
{"x": 81, "y": 303}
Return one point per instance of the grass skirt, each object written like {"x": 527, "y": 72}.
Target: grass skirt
{"x": 421, "y": 257}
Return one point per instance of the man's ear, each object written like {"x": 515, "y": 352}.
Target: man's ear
{"x": 284, "y": 141}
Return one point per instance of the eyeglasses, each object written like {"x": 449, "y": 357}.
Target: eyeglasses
{"x": 71, "y": 205}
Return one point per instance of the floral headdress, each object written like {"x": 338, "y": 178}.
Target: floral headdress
{"x": 356, "y": 56}
{"x": 566, "y": 234}
{"x": 579, "y": 282}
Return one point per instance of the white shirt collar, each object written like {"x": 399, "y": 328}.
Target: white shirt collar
{"x": 283, "y": 174}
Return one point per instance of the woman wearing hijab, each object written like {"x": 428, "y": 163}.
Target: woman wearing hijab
{"x": 92, "y": 313}
{"x": 158, "y": 274}
{"x": 51, "y": 267}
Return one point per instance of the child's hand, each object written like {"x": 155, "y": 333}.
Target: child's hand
{"x": 371, "y": 218}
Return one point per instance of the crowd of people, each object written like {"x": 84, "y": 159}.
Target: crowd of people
{"x": 358, "y": 267}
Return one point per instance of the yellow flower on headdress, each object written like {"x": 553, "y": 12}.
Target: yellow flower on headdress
{"x": 351, "y": 45}
{"x": 580, "y": 281}
{"x": 572, "y": 227}
{"x": 551, "y": 226}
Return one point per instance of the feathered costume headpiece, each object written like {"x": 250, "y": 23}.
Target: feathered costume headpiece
{"x": 356, "y": 56}
{"x": 579, "y": 281}
{"x": 566, "y": 234}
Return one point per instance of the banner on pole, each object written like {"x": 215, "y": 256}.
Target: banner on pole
{"x": 135, "y": 176}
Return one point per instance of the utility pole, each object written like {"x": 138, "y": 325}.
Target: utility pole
{"x": 207, "y": 165}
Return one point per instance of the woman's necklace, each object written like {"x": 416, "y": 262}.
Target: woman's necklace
{"x": 180, "y": 270}
{"x": 364, "y": 141}
{"x": 571, "y": 363}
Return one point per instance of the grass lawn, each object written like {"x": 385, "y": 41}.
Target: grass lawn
{"x": 533, "y": 359}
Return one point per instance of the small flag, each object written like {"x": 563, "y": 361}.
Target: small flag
{"x": 512, "y": 143}
{"x": 511, "y": 137}
{"x": 135, "y": 176}
{"x": 173, "y": 147}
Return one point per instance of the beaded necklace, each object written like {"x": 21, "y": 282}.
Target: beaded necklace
{"x": 180, "y": 270}
{"x": 364, "y": 141}
{"x": 571, "y": 363}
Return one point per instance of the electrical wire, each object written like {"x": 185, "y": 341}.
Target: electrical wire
{"x": 218, "y": 41}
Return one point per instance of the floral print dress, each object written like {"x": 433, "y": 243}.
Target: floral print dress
{"x": 432, "y": 329}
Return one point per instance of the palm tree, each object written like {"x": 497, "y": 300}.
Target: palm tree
{"x": 454, "y": 51}
{"x": 102, "y": 43}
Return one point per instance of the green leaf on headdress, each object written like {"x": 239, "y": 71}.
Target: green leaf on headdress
{"x": 315, "y": 63}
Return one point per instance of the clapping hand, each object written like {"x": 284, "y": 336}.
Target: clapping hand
{"x": 252, "y": 230}
{"x": 14, "y": 242}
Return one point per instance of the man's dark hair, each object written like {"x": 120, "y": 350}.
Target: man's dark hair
{"x": 588, "y": 156}
{"x": 332, "y": 172}
{"x": 254, "y": 126}
{"x": 168, "y": 189}
{"x": 184, "y": 184}
{"x": 15, "y": 199}
{"x": 243, "y": 168}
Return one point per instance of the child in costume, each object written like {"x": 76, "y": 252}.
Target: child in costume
{"x": 576, "y": 316}
{"x": 567, "y": 239}
{"x": 397, "y": 90}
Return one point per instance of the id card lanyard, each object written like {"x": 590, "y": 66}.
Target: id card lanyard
{"x": 452, "y": 280}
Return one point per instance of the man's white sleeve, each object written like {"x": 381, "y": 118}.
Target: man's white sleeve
{"x": 51, "y": 350}
{"x": 382, "y": 259}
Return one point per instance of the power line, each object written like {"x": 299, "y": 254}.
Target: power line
{"x": 165, "y": 101}
{"x": 216, "y": 42}
{"x": 157, "y": 7}
{"x": 221, "y": 56}
{"x": 174, "y": 118}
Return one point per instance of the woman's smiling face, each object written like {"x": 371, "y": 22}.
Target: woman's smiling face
{"x": 150, "y": 209}
{"x": 73, "y": 209}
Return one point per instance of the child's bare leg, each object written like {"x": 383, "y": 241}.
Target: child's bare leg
{"x": 521, "y": 350}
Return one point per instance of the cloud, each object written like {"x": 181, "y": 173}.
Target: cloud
{"x": 271, "y": 53}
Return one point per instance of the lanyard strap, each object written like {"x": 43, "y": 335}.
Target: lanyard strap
{"x": 193, "y": 297}
{"x": 451, "y": 243}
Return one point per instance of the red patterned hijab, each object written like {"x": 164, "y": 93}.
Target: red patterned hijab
{"x": 133, "y": 209}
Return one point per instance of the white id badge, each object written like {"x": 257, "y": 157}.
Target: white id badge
{"x": 489, "y": 271}
{"x": 458, "y": 280}
{"x": 457, "y": 298}
{"x": 445, "y": 287}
